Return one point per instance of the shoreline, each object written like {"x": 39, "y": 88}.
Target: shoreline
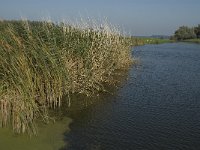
{"x": 197, "y": 41}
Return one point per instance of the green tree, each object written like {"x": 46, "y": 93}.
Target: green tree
{"x": 197, "y": 31}
{"x": 184, "y": 33}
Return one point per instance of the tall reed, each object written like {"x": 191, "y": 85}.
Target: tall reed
{"x": 42, "y": 61}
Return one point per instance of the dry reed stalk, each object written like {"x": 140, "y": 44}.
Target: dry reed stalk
{"x": 42, "y": 61}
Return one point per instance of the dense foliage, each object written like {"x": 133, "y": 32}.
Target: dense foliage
{"x": 197, "y": 31}
{"x": 185, "y": 33}
{"x": 42, "y": 61}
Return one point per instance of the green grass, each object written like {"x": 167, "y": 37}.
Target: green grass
{"x": 142, "y": 41}
{"x": 193, "y": 40}
{"x": 40, "y": 62}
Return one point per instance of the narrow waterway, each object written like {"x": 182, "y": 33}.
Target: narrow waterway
{"x": 157, "y": 108}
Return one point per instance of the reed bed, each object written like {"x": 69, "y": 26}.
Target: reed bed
{"x": 42, "y": 61}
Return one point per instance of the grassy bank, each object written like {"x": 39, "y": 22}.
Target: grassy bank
{"x": 40, "y": 62}
{"x": 142, "y": 41}
{"x": 193, "y": 40}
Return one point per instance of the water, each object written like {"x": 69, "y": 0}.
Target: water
{"x": 49, "y": 137}
{"x": 157, "y": 108}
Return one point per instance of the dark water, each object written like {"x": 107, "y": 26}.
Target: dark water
{"x": 157, "y": 108}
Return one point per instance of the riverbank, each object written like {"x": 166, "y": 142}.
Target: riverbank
{"x": 142, "y": 41}
{"x": 42, "y": 61}
{"x": 193, "y": 41}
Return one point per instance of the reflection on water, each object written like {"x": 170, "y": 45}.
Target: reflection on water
{"x": 158, "y": 107}
{"x": 50, "y": 137}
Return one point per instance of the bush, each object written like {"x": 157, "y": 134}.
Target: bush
{"x": 184, "y": 33}
{"x": 197, "y": 31}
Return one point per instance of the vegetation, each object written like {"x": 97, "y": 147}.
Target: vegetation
{"x": 185, "y": 33}
{"x": 193, "y": 40}
{"x": 142, "y": 41}
{"x": 197, "y": 31}
{"x": 42, "y": 61}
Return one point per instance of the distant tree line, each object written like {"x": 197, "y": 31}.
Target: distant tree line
{"x": 184, "y": 33}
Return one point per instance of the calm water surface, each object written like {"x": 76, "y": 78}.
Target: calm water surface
{"x": 157, "y": 108}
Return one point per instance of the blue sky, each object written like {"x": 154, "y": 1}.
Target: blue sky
{"x": 139, "y": 17}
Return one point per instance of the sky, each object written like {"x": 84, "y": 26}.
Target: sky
{"x": 136, "y": 17}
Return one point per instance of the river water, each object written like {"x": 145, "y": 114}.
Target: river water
{"x": 157, "y": 108}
